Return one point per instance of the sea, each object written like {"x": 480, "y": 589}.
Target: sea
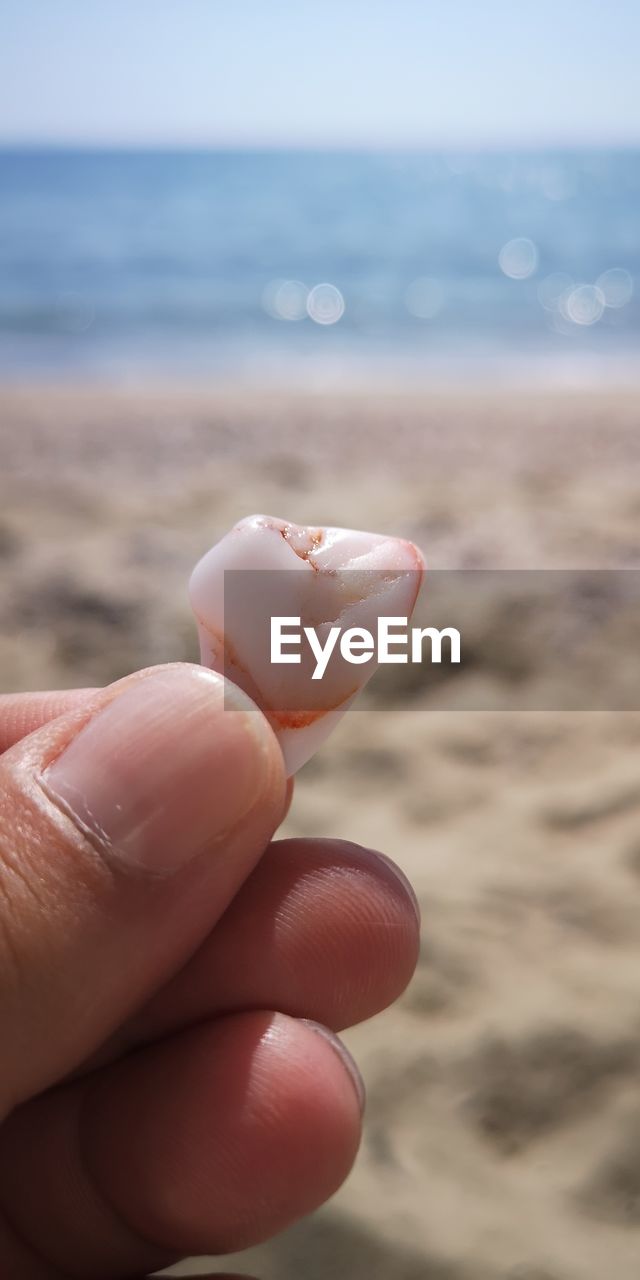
{"x": 318, "y": 268}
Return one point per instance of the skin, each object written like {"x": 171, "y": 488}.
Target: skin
{"x": 162, "y": 1093}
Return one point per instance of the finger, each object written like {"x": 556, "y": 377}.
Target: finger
{"x": 288, "y": 797}
{"x": 321, "y": 929}
{"x": 207, "y": 1143}
{"x": 22, "y": 713}
{"x": 126, "y": 829}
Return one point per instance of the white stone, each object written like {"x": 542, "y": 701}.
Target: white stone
{"x": 328, "y": 577}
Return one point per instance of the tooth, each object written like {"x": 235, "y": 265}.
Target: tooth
{"x": 324, "y": 577}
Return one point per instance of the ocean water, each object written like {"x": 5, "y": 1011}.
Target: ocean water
{"x": 318, "y": 266}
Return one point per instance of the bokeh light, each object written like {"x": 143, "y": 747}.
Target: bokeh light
{"x": 616, "y": 286}
{"x": 518, "y": 258}
{"x": 424, "y": 297}
{"x": 325, "y": 304}
{"x": 552, "y": 288}
{"x": 584, "y": 304}
{"x": 285, "y": 299}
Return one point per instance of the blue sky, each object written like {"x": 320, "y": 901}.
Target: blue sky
{"x": 320, "y": 72}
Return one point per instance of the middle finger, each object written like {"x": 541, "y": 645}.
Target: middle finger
{"x": 321, "y": 929}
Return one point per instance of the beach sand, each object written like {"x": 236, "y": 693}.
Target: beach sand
{"x": 502, "y": 1136}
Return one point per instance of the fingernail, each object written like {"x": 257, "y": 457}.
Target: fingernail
{"x": 164, "y": 770}
{"x": 345, "y": 1057}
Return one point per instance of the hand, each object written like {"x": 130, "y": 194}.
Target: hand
{"x": 162, "y": 1093}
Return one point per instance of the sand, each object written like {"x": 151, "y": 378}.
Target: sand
{"x": 503, "y": 1128}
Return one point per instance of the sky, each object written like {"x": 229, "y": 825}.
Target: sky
{"x": 373, "y": 73}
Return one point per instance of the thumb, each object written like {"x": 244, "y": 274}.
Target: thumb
{"x": 125, "y": 829}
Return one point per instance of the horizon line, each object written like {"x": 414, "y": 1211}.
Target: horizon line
{"x": 494, "y": 146}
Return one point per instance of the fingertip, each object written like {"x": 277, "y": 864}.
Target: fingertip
{"x": 220, "y": 1138}
{"x": 344, "y": 1057}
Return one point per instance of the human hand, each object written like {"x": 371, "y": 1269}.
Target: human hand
{"x": 162, "y": 1094}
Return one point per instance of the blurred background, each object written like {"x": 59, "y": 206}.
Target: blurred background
{"x": 319, "y": 192}
{"x": 370, "y": 264}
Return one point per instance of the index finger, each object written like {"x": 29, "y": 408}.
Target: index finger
{"x": 21, "y": 713}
